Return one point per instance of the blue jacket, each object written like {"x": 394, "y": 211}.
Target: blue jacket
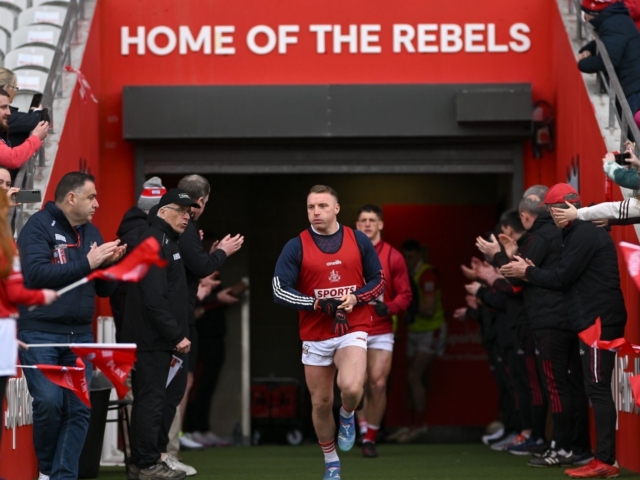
{"x": 73, "y": 312}
{"x": 622, "y": 40}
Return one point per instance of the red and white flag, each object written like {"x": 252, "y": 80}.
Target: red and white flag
{"x": 69, "y": 377}
{"x": 113, "y": 360}
{"x": 631, "y": 254}
{"x": 135, "y": 265}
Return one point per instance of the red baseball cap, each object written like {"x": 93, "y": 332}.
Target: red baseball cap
{"x": 558, "y": 194}
{"x": 596, "y": 6}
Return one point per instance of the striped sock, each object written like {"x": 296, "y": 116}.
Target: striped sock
{"x": 346, "y": 413}
{"x": 329, "y": 450}
{"x": 372, "y": 433}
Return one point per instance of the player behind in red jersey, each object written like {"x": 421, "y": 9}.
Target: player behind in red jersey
{"x": 330, "y": 273}
{"x": 396, "y": 298}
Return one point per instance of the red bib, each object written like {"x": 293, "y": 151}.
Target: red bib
{"x": 330, "y": 275}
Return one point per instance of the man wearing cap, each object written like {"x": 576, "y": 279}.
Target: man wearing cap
{"x": 133, "y": 225}
{"x": 610, "y": 18}
{"x": 589, "y": 278}
{"x": 155, "y": 318}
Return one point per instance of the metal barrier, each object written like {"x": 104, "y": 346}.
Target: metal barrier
{"x": 618, "y": 106}
{"x": 52, "y": 90}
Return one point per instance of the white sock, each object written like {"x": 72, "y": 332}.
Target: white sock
{"x": 329, "y": 450}
{"x": 346, "y": 414}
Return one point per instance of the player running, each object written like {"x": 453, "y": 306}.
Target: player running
{"x": 396, "y": 298}
{"x": 330, "y": 273}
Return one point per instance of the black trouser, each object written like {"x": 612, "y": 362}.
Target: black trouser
{"x": 597, "y": 366}
{"x": 154, "y": 405}
{"x": 211, "y": 361}
{"x": 561, "y": 371}
{"x": 506, "y": 392}
{"x": 532, "y": 405}
{"x": 3, "y": 389}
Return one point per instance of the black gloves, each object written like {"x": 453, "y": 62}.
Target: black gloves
{"x": 381, "y": 309}
{"x": 329, "y": 306}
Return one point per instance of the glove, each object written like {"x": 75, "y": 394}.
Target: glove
{"x": 381, "y": 309}
{"x": 329, "y": 306}
{"x": 340, "y": 323}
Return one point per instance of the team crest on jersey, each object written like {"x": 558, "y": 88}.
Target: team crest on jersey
{"x": 334, "y": 276}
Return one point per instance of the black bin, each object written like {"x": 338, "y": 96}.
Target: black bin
{"x": 99, "y": 393}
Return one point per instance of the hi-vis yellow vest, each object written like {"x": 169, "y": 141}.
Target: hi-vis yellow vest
{"x": 423, "y": 323}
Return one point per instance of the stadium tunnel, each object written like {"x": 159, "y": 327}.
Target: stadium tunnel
{"x": 441, "y": 160}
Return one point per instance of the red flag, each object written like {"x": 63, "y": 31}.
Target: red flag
{"x": 631, "y": 254}
{"x": 135, "y": 265}
{"x": 69, "y": 377}
{"x": 114, "y": 361}
{"x": 635, "y": 388}
{"x": 591, "y": 335}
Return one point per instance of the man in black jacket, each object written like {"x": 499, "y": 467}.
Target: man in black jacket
{"x": 588, "y": 276}
{"x": 531, "y": 400}
{"x": 132, "y": 227}
{"x": 155, "y": 318}
{"x": 557, "y": 351}
{"x": 610, "y": 18}
{"x": 198, "y": 264}
{"x": 58, "y": 246}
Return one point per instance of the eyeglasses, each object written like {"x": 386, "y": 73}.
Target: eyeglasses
{"x": 14, "y": 87}
{"x": 180, "y": 211}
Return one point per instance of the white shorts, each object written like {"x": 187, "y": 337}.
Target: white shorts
{"x": 433, "y": 342}
{"x": 8, "y": 347}
{"x": 320, "y": 354}
{"x": 381, "y": 342}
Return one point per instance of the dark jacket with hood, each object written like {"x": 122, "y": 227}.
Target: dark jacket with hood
{"x": 73, "y": 311}
{"x": 132, "y": 227}
{"x": 622, "y": 41}
{"x": 588, "y": 276}
{"x": 155, "y": 312}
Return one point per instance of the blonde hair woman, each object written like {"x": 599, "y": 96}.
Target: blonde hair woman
{"x": 12, "y": 292}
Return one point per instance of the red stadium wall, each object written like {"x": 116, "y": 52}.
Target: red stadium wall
{"x": 458, "y": 391}
{"x": 580, "y": 149}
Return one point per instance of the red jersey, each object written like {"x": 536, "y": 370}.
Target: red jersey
{"x": 397, "y": 295}
{"x": 12, "y": 291}
{"x": 330, "y": 275}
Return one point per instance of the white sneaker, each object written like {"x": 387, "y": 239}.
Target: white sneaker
{"x": 188, "y": 443}
{"x": 493, "y": 436}
{"x": 210, "y": 439}
{"x": 174, "y": 464}
{"x": 42, "y": 476}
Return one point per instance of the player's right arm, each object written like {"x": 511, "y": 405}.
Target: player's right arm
{"x": 285, "y": 278}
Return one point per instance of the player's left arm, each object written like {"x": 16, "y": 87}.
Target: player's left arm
{"x": 399, "y": 278}
{"x": 371, "y": 270}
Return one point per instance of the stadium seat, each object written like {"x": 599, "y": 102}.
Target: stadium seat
{"x": 4, "y": 44}
{"x": 7, "y": 20}
{"x": 61, "y": 3}
{"x": 46, "y": 14}
{"x": 16, "y": 5}
{"x": 22, "y": 101}
{"x": 36, "y": 35}
{"x": 32, "y": 81}
{"x": 36, "y": 58}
